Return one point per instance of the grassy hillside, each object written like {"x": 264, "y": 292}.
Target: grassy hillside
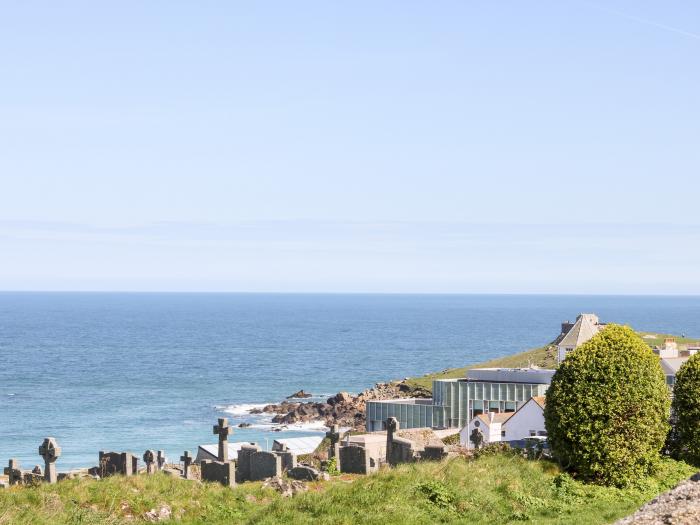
{"x": 493, "y": 489}
{"x": 544, "y": 357}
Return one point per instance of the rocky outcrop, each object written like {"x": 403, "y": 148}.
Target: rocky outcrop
{"x": 300, "y": 395}
{"x": 680, "y": 506}
{"x": 343, "y": 409}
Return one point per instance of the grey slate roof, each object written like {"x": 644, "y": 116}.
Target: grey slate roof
{"x": 585, "y": 327}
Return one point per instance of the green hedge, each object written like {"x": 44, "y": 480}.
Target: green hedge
{"x": 607, "y": 409}
{"x": 686, "y": 408}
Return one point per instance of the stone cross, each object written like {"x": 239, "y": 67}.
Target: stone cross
{"x": 13, "y": 472}
{"x": 150, "y": 458}
{"x": 223, "y": 431}
{"x": 186, "y": 459}
{"x": 161, "y": 459}
{"x": 476, "y": 437}
{"x": 334, "y": 435}
{"x": 50, "y": 451}
{"x": 392, "y": 426}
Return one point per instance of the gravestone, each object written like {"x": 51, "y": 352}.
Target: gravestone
{"x": 50, "y": 451}
{"x": 223, "y": 472}
{"x": 289, "y": 459}
{"x": 392, "y": 426}
{"x": 186, "y": 459}
{"x": 305, "y": 473}
{"x": 161, "y": 459}
{"x": 334, "y": 435}
{"x": 402, "y": 451}
{"x": 150, "y": 458}
{"x": 356, "y": 460}
{"x": 265, "y": 465}
{"x": 111, "y": 463}
{"x": 223, "y": 431}
{"x": 13, "y": 472}
{"x": 433, "y": 452}
{"x": 477, "y": 438}
{"x": 243, "y": 465}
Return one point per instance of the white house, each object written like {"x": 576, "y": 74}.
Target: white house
{"x": 512, "y": 427}
{"x": 527, "y": 421}
{"x": 487, "y": 428}
{"x": 574, "y": 335}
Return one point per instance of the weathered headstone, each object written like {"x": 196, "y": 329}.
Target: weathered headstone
{"x": 223, "y": 472}
{"x": 334, "y": 435}
{"x": 433, "y": 452}
{"x": 289, "y": 459}
{"x": 243, "y": 465}
{"x": 265, "y": 465}
{"x": 150, "y": 458}
{"x": 305, "y": 473}
{"x": 392, "y": 426}
{"x": 50, "y": 451}
{"x": 186, "y": 459}
{"x": 161, "y": 459}
{"x": 402, "y": 451}
{"x": 111, "y": 463}
{"x": 356, "y": 460}
{"x": 13, "y": 472}
{"x": 223, "y": 431}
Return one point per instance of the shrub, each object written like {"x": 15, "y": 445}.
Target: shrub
{"x": 686, "y": 410}
{"x": 607, "y": 409}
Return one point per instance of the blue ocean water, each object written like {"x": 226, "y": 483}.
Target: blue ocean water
{"x": 131, "y": 371}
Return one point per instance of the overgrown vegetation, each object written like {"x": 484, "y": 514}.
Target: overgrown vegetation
{"x": 685, "y": 443}
{"x": 608, "y": 408}
{"x": 495, "y": 488}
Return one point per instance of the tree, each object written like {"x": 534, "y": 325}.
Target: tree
{"x": 607, "y": 408}
{"x": 686, "y": 410}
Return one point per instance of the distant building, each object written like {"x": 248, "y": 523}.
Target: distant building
{"x": 455, "y": 402}
{"x": 513, "y": 428}
{"x": 527, "y": 422}
{"x": 489, "y": 427}
{"x": 673, "y": 357}
{"x": 575, "y": 334}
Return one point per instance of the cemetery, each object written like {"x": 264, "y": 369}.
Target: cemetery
{"x": 250, "y": 462}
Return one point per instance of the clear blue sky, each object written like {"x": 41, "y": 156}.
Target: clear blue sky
{"x": 452, "y": 146}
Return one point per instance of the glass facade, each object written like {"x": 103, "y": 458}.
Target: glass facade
{"x": 454, "y": 404}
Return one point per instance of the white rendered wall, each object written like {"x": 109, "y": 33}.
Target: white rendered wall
{"x": 529, "y": 417}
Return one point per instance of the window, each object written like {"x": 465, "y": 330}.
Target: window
{"x": 533, "y": 433}
{"x": 503, "y": 433}
{"x": 542, "y": 433}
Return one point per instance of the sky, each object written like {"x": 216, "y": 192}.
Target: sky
{"x": 384, "y": 146}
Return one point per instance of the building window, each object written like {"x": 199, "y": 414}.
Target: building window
{"x": 533, "y": 433}
{"x": 503, "y": 433}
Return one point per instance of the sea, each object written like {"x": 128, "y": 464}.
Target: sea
{"x": 137, "y": 371}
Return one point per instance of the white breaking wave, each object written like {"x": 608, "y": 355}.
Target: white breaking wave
{"x": 242, "y": 409}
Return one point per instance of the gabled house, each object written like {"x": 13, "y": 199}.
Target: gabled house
{"x": 484, "y": 429}
{"x": 575, "y": 334}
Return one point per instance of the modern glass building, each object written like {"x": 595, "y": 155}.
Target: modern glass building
{"x": 456, "y": 401}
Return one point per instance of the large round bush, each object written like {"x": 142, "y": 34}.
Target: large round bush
{"x": 608, "y": 407}
{"x": 686, "y": 410}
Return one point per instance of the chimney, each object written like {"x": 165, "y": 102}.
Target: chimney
{"x": 491, "y": 417}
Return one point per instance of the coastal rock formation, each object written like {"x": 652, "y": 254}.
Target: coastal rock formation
{"x": 343, "y": 409}
{"x": 299, "y": 395}
{"x": 679, "y": 506}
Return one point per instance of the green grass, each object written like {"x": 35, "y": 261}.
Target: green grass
{"x": 654, "y": 339}
{"x": 491, "y": 489}
{"x": 544, "y": 357}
